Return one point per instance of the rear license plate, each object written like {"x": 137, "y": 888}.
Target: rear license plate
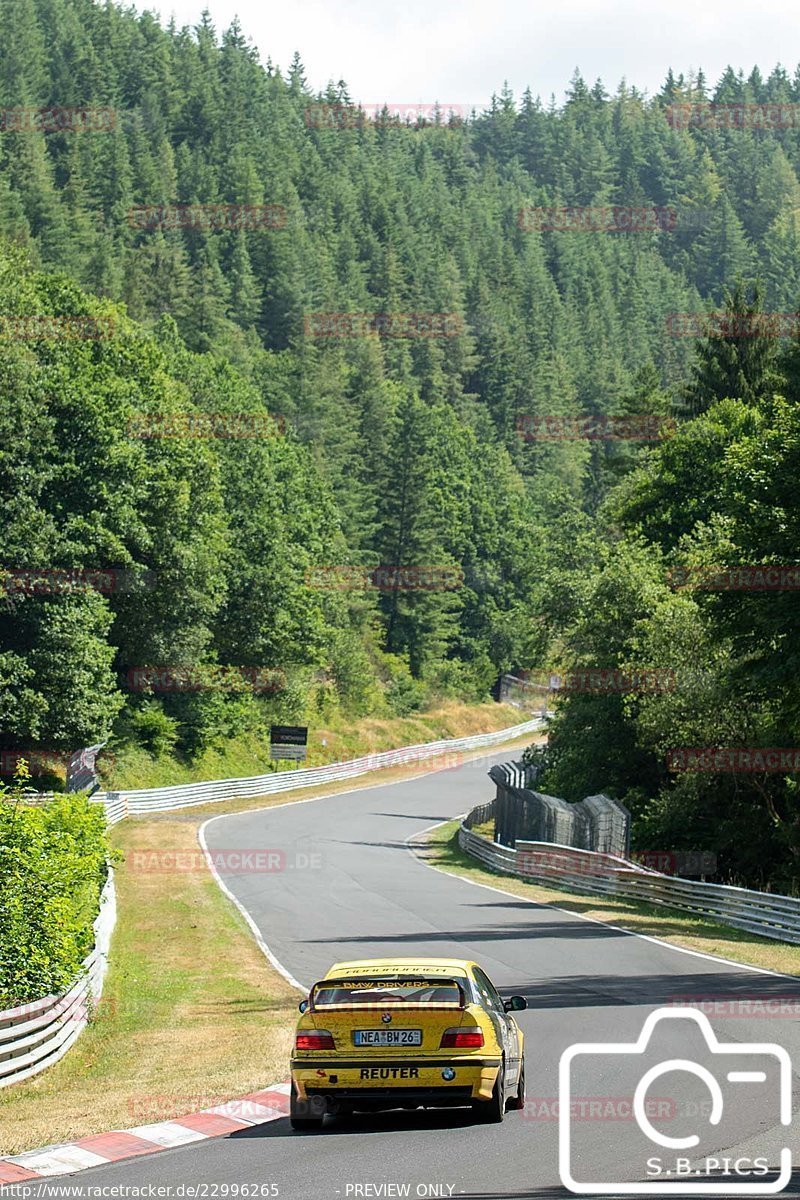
{"x": 387, "y": 1037}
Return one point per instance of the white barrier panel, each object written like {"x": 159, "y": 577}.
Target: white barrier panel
{"x": 34, "y": 1036}
{"x": 119, "y": 805}
{"x": 585, "y": 871}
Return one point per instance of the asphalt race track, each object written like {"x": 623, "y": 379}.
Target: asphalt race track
{"x": 351, "y": 888}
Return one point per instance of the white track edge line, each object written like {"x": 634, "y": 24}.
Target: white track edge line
{"x": 260, "y": 942}
{"x": 262, "y": 945}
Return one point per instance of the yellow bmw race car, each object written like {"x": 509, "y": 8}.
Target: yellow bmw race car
{"x": 406, "y": 1033}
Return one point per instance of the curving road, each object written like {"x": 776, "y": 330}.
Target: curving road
{"x": 351, "y": 888}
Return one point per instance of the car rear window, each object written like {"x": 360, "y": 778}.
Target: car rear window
{"x": 383, "y": 991}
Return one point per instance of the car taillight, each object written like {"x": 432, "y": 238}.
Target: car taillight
{"x": 314, "y": 1039}
{"x": 461, "y": 1039}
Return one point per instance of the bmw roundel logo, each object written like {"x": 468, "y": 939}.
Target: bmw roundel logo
{"x": 448, "y": 1073}
{"x": 386, "y": 1018}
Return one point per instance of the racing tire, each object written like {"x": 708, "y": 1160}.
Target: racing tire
{"x": 306, "y": 1115}
{"x": 518, "y": 1102}
{"x": 491, "y": 1112}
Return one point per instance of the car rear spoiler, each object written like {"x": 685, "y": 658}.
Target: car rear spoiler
{"x": 381, "y": 1004}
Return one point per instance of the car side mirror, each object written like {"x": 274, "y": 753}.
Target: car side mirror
{"x": 515, "y": 1004}
{"x": 303, "y": 1005}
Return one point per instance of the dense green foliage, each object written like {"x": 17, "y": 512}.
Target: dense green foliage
{"x": 52, "y": 870}
{"x": 216, "y": 539}
{"x": 397, "y": 451}
{"x": 721, "y": 493}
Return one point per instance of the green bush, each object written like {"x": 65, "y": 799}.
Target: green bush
{"x": 404, "y": 693}
{"x": 52, "y": 870}
{"x": 154, "y": 730}
{"x": 460, "y": 680}
{"x": 355, "y": 674}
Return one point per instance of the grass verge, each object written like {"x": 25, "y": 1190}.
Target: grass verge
{"x": 440, "y": 849}
{"x": 329, "y": 740}
{"x": 192, "y": 1013}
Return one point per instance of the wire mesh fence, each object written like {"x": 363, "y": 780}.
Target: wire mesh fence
{"x": 521, "y": 813}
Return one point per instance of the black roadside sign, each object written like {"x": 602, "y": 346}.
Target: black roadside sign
{"x": 288, "y": 741}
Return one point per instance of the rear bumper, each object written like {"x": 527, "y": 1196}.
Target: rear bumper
{"x": 391, "y": 1082}
{"x": 366, "y": 1099}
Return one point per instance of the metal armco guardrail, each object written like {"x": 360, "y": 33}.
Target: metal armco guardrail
{"x": 586, "y": 871}
{"x": 34, "y": 1036}
{"x": 119, "y": 805}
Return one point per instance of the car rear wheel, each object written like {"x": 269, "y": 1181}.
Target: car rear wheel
{"x": 492, "y": 1111}
{"x": 518, "y": 1101}
{"x": 306, "y": 1115}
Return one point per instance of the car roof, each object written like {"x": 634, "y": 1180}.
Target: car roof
{"x": 371, "y": 966}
